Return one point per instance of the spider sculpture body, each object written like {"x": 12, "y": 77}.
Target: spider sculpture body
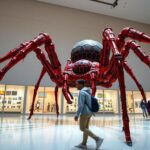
{"x": 98, "y": 65}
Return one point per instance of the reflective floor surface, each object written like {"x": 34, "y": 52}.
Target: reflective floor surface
{"x": 50, "y": 133}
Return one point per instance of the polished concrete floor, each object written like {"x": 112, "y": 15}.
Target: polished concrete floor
{"x": 50, "y": 133}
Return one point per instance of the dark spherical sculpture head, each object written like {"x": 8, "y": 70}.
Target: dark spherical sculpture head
{"x": 86, "y": 49}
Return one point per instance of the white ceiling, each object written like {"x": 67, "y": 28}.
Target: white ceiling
{"x": 136, "y": 10}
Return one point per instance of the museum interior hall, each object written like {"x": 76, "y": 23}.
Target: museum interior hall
{"x": 74, "y": 74}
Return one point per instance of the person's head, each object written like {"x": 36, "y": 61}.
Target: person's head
{"x": 80, "y": 84}
{"x": 143, "y": 100}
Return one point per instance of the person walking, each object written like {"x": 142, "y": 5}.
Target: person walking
{"x": 143, "y": 106}
{"x": 84, "y": 115}
{"x": 148, "y": 106}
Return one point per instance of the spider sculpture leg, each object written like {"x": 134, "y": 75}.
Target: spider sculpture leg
{"x": 123, "y": 101}
{"x": 55, "y": 64}
{"x": 20, "y": 53}
{"x": 70, "y": 93}
{"x": 138, "y": 51}
{"x": 13, "y": 52}
{"x": 65, "y": 91}
{"x": 108, "y": 35}
{"x": 56, "y": 100}
{"x": 130, "y": 72}
{"x": 50, "y": 48}
{"x": 109, "y": 73}
{"x": 47, "y": 68}
{"x": 141, "y": 55}
{"x": 105, "y": 54}
{"x": 53, "y": 68}
{"x": 35, "y": 92}
{"x": 134, "y": 34}
{"x": 93, "y": 84}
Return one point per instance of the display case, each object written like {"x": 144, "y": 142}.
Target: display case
{"x": 137, "y": 100}
{"x": 2, "y": 96}
{"x": 14, "y": 98}
{"x": 39, "y": 101}
{"x": 111, "y": 101}
{"x": 107, "y": 99}
{"x": 71, "y": 108}
{"x": 49, "y": 100}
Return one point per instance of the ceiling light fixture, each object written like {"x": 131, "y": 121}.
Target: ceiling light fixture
{"x": 114, "y": 4}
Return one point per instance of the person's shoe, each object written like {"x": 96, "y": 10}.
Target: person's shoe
{"x": 81, "y": 146}
{"x": 99, "y": 142}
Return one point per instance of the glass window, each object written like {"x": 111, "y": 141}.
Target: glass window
{"x": 148, "y": 96}
{"x": 2, "y": 94}
{"x": 99, "y": 96}
{"x": 137, "y": 99}
{"x": 14, "y": 98}
{"x": 38, "y": 107}
{"x": 49, "y": 101}
{"x": 111, "y": 101}
{"x": 110, "y": 104}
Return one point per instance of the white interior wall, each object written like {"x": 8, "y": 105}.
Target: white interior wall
{"x": 21, "y": 20}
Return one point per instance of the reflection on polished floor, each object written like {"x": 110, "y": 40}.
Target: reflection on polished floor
{"x": 50, "y": 133}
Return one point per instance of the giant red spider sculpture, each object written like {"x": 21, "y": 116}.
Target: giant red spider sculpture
{"x": 89, "y": 61}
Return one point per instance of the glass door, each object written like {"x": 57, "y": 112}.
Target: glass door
{"x": 38, "y": 107}
{"x": 137, "y": 100}
{"x": 130, "y": 101}
{"x": 49, "y": 100}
